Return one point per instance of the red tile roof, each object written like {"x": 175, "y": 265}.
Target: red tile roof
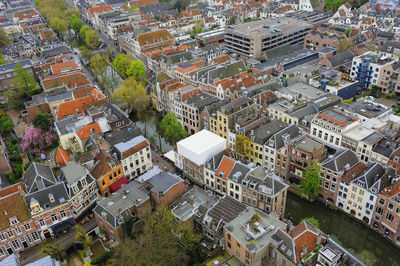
{"x": 63, "y": 67}
{"x": 97, "y": 94}
{"x": 87, "y": 130}
{"x": 99, "y": 9}
{"x": 102, "y": 164}
{"x": 74, "y": 107}
{"x": 62, "y": 158}
{"x": 303, "y": 235}
{"x": 225, "y": 167}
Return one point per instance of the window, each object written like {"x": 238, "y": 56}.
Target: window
{"x": 42, "y": 223}
{"x": 10, "y": 234}
{"x": 83, "y": 182}
{"x": 15, "y": 244}
{"x": 62, "y": 214}
{"x": 54, "y": 217}
{"x": 13, "y": 220}
{"x": 103, "y": 183}
{"x": 18, "y": 230}
{"x": 2, "y": 237}
{"x": 35, "y": 236}
{"x": 381, "y": 201}
{"x": 110, "y": 177}
{"x": 390, "y": 206}
{"x": 389, "y": 217}
{"x": 1, "y": 252}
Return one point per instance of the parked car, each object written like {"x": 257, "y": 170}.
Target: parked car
{"x": 376, "y": 95}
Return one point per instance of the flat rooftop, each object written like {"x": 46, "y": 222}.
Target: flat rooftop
{"x": 308, "y": 145}
{"x": 269, "y": 27}
{"x": 336, "y": 117}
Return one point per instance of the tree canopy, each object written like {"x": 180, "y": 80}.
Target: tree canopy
{"x": 161, "y": 242}
{"x": 75, "y": 23}
{"x": 137, "y": 70}
{"x": 2, "y": 60}
{"x": 121, "y": 64}
{"x": 92, "y": 38}
{"x": 132, "y": 95}
{"x": 42, "y": 120}
{"x": 345, "y": 44}
{"x": 99, "y": 63}
{"x": 312, "y": 179}
{"x": 172, "y": 129}
{"x": 24, "y": 86}
{"x": 52, "y": 250}
{"x": 58, "y": 25}
{"x": 37, "y": 140}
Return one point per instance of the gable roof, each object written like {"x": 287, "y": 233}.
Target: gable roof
{"x": 103, "y": 164}
{"x": 130, "y": 147}
{"x": 340, "y": 59}
{"x": 100, "y": 9}
{"x": 74, "y": 107}
{"x": 12, "y": 205}
{"x": 38, "y": 176}
{"x": 63, "y": 67}
{"x": 62, "y": 158}
{"x": 154, "y": 37}
{"x": 305, "y": 234}
{"x": 345, "y": 159}
{"x": 163, "y": 182}
{"x": 87, "y": 130}
{"x": 225, "y": 167}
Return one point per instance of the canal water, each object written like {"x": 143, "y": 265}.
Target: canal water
{"x": 346, "y": 231}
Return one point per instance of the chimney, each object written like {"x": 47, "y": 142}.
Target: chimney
{"x": 288, "y": 227}
{"x": 319, "y": 238}
{"x": 376, "y": 178}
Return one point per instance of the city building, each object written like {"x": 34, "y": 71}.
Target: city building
{"x": 255, "y": 38}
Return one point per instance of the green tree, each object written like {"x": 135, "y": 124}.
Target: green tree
{"x": 137, "y": 70}
{"x": 172, "y": 129}
{"x": 42, "y": 120}
{"x": 132, "y": 95}
{"x": 24, "y": 87}
{"x": 85, "y": 53}
{"x": 232, "y": 20}
{"x": 52, "y": 250}
{"x": 241, "y": 144}
{"x": 99, "y": 64}
{"x": 333, "y": 4}
{"x": 82, "y": 237}
{"x": 367, "y": 257}
{"x": 92, "y": 39}
{"x": 75, "y": 23}
{"x": 58, "y": 25}
{"x": 312, "y": 220}
{"x": 345, "y": 44}
{"x": 6, "y": 125}
{"x": 312, "y": 178}
{"x": 198, "y": 28}
{"x": 2, "y": 59}
{"x": 82, "y": 32}
{"x": 3, "y": 37}
{"x": 121, "y": 64}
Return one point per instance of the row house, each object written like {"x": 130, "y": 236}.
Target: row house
{"x": 81, "y": 188}
{"x": 386, "y": 216}
{"x": 191, "y": 110}
{"x": 329, "y": 125}
{"x": 301, "y": 153}
{"x": 48, "y": 200}
{"x": 18, "y": 230}
{"x": 364, "y": 190}
{"x": 106, "y": 171}
{"x": 150, "y": 41}
{"x": 315, "y": 40}
{"x": 134, "y": 155}
{"x": 334, "y": 168}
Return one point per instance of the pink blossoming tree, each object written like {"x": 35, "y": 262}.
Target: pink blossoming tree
{"x": 36, "y": 140}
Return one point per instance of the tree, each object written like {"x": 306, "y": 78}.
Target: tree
{"x": 85, "y": 53}
{"x": 333, "y": 4}
{"x": 121, "y": 64}
{"x": 198, "y": 28}
{"x": 312, "y": 178}
{"x": 75, "y": 23}
{"x": 82, "y": 32}
{"x": 367, "y": 257}
{"x": 137, "y": 70}
{"x": 312, "y": 221}
{"x": 345, "y": 44}
{"x": 145, "y": 116}
{"x": 92, "y": 39}
{"x": 36, "y": 140}
{"x": 6, "y": 125}
{"x": 99, "y": 63}
{"x": 232, "y": 20}
{"x": 24, "y": 87}
{"x": 132, "y": 95}
{"x": 58, "y": 25}
{"x": 172, "y": 129}
{"x": 82, "y": 237}
{"x": 156, "y": 245}
{"x": 42, "y": 120}
{"x": 2, "y": 60}
{"x": 3, "y": 37}
{"x": 52, "y": 250}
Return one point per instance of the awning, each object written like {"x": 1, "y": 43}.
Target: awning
{"x": 118, "y": 184}
{"x": 170, "y": 155}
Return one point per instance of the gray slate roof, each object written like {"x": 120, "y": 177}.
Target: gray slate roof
{"x": 163, "y": 182}
{"x": 345, "y": 159}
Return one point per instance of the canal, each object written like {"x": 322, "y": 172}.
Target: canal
{"x": 346, "y": 231}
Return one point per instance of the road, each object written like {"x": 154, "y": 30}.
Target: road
{"x": 32, "y": 254}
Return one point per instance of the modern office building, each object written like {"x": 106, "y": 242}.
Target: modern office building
{"x": 255, "y": 38}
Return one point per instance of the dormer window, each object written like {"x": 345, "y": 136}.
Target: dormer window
{"x": 51, "y": 198}
{"x": 84, "y": 183}
{"x": 14, "y": 220}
